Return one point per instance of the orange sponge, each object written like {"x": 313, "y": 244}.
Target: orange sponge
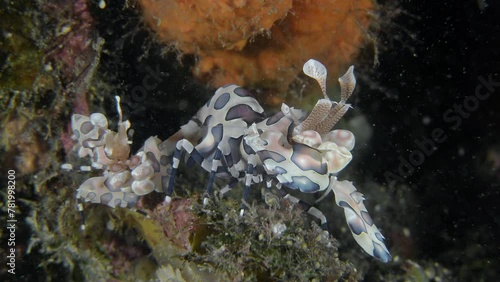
{"x": 261, "y": 43}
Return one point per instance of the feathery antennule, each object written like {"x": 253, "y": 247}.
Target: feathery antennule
{"x": 336, "y": 113}
{"x": 317, "y": 70}
{"x": 347, "y": 84}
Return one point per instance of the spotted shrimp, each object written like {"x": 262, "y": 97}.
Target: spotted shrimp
{"x": 231, "y": 138}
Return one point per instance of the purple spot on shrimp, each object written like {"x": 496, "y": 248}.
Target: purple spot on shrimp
{"x": 307, "y": 158}
{"x": 85, "y": 144}
{"x": 380, "y": 252}
{"x": 242, "y": 92}
{"x": 247, "y": 148}
{"x": 154, "y": 162}
{"x": 265, "y": 154}
{"x": 356, "y": 229}
{"x": 86, "y": 127}
{"x": 110, "y": 187}
{"x": 117, "y": 202}
{"x": 221, "y": 102}
{"x": 163, "y": 160}
{"x": 367, "y": 218}
{"x": 304, "y": 184}
{"x": 356, "y": 224}
{"x": 280, "y": 170}
{"x": 234, "y": 147}
{"x": 379, "y": 236}
{"x": 105, "y": 198}
{"x": 217, "y": 132}
{"x": 274, "y": 119}
{"x": 244, "y": 112}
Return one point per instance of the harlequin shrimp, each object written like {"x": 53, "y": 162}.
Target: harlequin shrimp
{"x": 231, "y": 138}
